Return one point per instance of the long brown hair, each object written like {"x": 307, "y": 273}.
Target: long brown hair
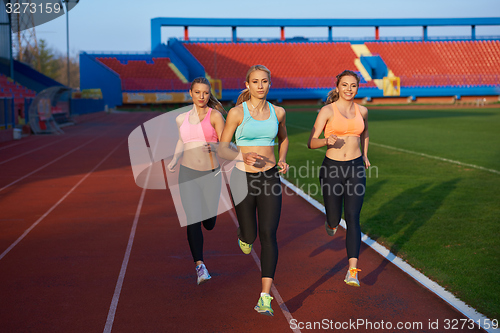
{"x": 245, "y": 94}
{"x": 213, "y": 102}
{"x": 333, "y": 95}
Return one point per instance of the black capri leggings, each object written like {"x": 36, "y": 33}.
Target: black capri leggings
{"x": 344, "y": 181}
{"x": 200, "y": 192}
{"x": 263, "y": 199}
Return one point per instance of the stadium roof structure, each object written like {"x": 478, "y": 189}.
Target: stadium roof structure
{"x": 157, "y": 23}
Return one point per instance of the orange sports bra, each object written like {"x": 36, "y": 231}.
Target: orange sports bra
{"x": 341, "y": 126}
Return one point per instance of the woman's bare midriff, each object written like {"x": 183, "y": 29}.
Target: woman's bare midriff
{"x": 195, "y": 156}
{"x": 267, "y": 152}
{"x": 346, "y": 148}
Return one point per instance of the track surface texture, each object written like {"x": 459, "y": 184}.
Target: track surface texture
{"x": 83, "y": 249}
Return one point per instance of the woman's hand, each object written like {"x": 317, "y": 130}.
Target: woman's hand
{"x": 283, "y": 166}
{"x": 252, "y": 158}
{"x": 367, "y": 162}
{"x": 209, "y": 148}
{"x": 330, "y": 141}
{"x": 171, "y": 165}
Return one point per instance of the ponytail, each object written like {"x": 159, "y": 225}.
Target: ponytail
{"x": 333, "y": 95}
{"x": 243, "y": 97}
{"x": 214, "y": 103}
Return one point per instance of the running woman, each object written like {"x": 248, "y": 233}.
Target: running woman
{"x": 256, "y": 123}
{"x": 199, "y": 178}
{"x": 342, "y": 174}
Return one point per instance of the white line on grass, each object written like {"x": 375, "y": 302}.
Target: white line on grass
{"x": 436, "y": 158}
{"x": 56, "y": 204}
{"x": 274, "y": 290}
{"x": 405, "y": 267}
{"x": 415, "y": 153}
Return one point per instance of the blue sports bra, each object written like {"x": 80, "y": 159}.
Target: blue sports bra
{"x": 253, "y": 132}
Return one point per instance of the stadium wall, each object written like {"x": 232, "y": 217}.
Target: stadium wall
{"x": 192, "y": 66}
{"x": 93, "y": 75}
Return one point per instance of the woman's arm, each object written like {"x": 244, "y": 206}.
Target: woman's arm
{"x": 315, "y": 142}
{"x": 233, "y": 120}
{"x": 365, "y": 136}
{"x": 179, "y": 147}
{"x": 282, "y": 140}
{"x": 217, "y": 121}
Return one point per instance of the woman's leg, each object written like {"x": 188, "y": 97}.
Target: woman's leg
{"x": 355, "y": 185}
{"x": 332, "y": 190}
{"x": 245, "y": 206}
{"x": 193, "y": 203}
{"x": 269, "y": 211}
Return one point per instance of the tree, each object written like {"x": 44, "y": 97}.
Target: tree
{"x": 49, "y": 64}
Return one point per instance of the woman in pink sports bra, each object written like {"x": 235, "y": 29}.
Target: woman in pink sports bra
{"x": 342, "y": 174}
{"x": 199, "y": 178}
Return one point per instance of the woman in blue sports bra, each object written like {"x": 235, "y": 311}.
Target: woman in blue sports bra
{"x": 255, "y": 182}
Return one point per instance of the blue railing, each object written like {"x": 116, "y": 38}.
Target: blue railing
{"x": 334, "y": 39}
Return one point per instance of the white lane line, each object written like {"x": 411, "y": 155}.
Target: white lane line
{"x": 56, "y": 204}
{"x": 46, "y": 165}
{"x": 274, "y": 290}
{"x": 12, "y": 145}
{"x": 415, "y": 153}
{"x": 437, "y": 158}
{"x": 13, "y": 158}
{"x": 123, "y": 270}
{"x": 405, "y": 267}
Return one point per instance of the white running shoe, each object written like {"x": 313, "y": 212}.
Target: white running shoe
{"x": 202, "y": 272}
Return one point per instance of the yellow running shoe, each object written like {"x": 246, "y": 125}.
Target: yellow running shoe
{"x": 246, "y": 248}
{"x": 351, "y": 278}
{"x": 264, "y": 305}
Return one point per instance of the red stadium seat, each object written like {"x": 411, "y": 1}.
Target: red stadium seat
{"x": 145, "y": 75}
{"x": 441, "y": 63}
{"x": 293, "y": 65}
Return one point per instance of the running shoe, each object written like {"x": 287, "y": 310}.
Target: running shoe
{"x": 246, "y": 248}
{"x": 351, "y": 278}
{"x": 330, "y": 231}
{"x": 203, "y": 275}
{"x": 264, "y": 305}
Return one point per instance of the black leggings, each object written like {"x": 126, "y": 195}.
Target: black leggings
{"x": 200, "y": 192}
{"x": 344, "y": 180}
{"x": 263, "y": 199}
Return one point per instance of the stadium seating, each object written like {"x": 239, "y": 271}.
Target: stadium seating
{"x": 11, "y": 89}
{"x": 447, "y": 63}
{"x": 144, "y": 74}
{"x": 293, "y": 65}
{"x": 313, "y": 65}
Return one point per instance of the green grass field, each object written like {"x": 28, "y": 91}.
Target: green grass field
{"x": 442, "y": 218}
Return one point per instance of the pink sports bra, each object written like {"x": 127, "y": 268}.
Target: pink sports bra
{"x": 201, "y": 132}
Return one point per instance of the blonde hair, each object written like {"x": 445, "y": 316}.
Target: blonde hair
{"x": 245, "y": 94}
{"x": 333, "y": 95}
{"x": 213, "y": 102}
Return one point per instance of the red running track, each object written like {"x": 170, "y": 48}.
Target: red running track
{"x": 83, "y": 249}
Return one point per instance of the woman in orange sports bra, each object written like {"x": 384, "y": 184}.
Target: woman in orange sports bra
{"x": 342, "y": 175}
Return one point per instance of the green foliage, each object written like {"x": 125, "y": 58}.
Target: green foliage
{"x": 49, "y": 64}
